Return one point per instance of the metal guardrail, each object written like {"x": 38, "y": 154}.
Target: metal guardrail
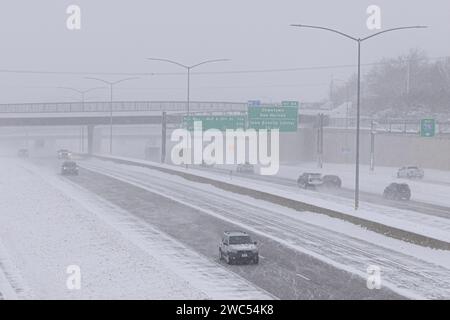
{"x": 388, "y": 125}
{"x": 122, "y": 106}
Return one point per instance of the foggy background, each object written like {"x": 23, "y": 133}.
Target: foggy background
{"x": 39, "y": 53}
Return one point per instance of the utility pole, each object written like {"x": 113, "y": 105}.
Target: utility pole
{"x": 332, "y": 90}
{"x": 408, "y": 77}
{"x": 372, "y": 145}
{"x": 320, "y": 141}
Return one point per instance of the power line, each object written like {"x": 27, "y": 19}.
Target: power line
{"x": 197, "y": 87}
{"x": 249, "y": 71}
{"x": 142, "y": 74}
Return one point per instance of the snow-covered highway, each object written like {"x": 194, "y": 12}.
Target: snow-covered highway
{"x": 48, "y": 225}
{"x": 330, "y": 241}
{"x": 114, "y": 218}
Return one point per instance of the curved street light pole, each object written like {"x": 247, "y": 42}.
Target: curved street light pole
{"x": 188, "y": 68}
{"x": 81, "y": 92}
{"x": 111, "y": 85}
{"x": 83, "y": 95}
{"x": 358, "y": 105}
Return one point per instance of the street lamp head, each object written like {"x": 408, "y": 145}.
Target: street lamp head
{"x": 188, "y": 67}
{"x": 326, "y": 29}
{"x": 111, "y": 82}
{"x": 97, "y": 79}
{"x": 169, "y": 61}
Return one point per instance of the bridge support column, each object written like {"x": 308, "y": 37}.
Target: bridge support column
{"x": 90, "y": 139}
{"x": 163, "y": 136}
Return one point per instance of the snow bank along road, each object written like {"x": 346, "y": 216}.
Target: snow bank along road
{"x": 289, "y": 182}
{"x": 48, "y": 224}
{"x": 303, "y": 256}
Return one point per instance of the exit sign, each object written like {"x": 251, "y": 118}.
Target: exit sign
{"x": 428, "y": 128}
{"x": 294, "y": 104}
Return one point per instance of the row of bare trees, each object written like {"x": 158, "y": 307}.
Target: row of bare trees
{"x": 411, "y": 86}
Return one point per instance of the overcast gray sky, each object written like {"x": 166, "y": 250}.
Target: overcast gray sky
{"x": 117, "y": 36}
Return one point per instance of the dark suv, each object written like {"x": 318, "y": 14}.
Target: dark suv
{"x": 331, "y": 181}
{"x": 397, "y": 191}
{"x": 69, "y": 168}
{"x": 237, "y": 246}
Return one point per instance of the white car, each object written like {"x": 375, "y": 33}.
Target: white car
{"x": 411, "y": 172}
{"x": 237, "y": 246}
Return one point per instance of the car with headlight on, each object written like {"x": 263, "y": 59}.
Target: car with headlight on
{"x": 64, "y": 154}
{"x": 238, "y": 247}
{"x": 69, "y": 168}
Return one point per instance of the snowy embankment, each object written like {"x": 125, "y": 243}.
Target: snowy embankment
{"x": 409, "y": 221}
{"x": 49, "y": 224}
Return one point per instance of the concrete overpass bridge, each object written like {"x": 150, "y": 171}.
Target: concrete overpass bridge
{"x": 91, "y": 114}
{"x": 145, "y": 119}
{"x": 120, "y": 109}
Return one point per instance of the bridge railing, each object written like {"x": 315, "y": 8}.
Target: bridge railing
{"x": 387, "y": 125}
{"x": 121, "y": 106}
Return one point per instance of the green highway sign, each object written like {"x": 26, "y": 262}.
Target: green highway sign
{"x": 283, "y": 118}
{"x": 220, "y": 122}
{"x": 428, "y": 127}
{"x": 254, "y": 103}
{"x": 290, "y": 104}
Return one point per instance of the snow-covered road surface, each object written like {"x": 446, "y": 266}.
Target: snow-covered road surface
{"x": 408, "y": 269}
{"x": 48, "y": 225}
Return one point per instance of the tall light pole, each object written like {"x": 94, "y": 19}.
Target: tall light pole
{"x": 83, "y": 95}
{"x": 188, "y": 68}
{"x": 358, "y": 115}
{"x": 111, "y": 86}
